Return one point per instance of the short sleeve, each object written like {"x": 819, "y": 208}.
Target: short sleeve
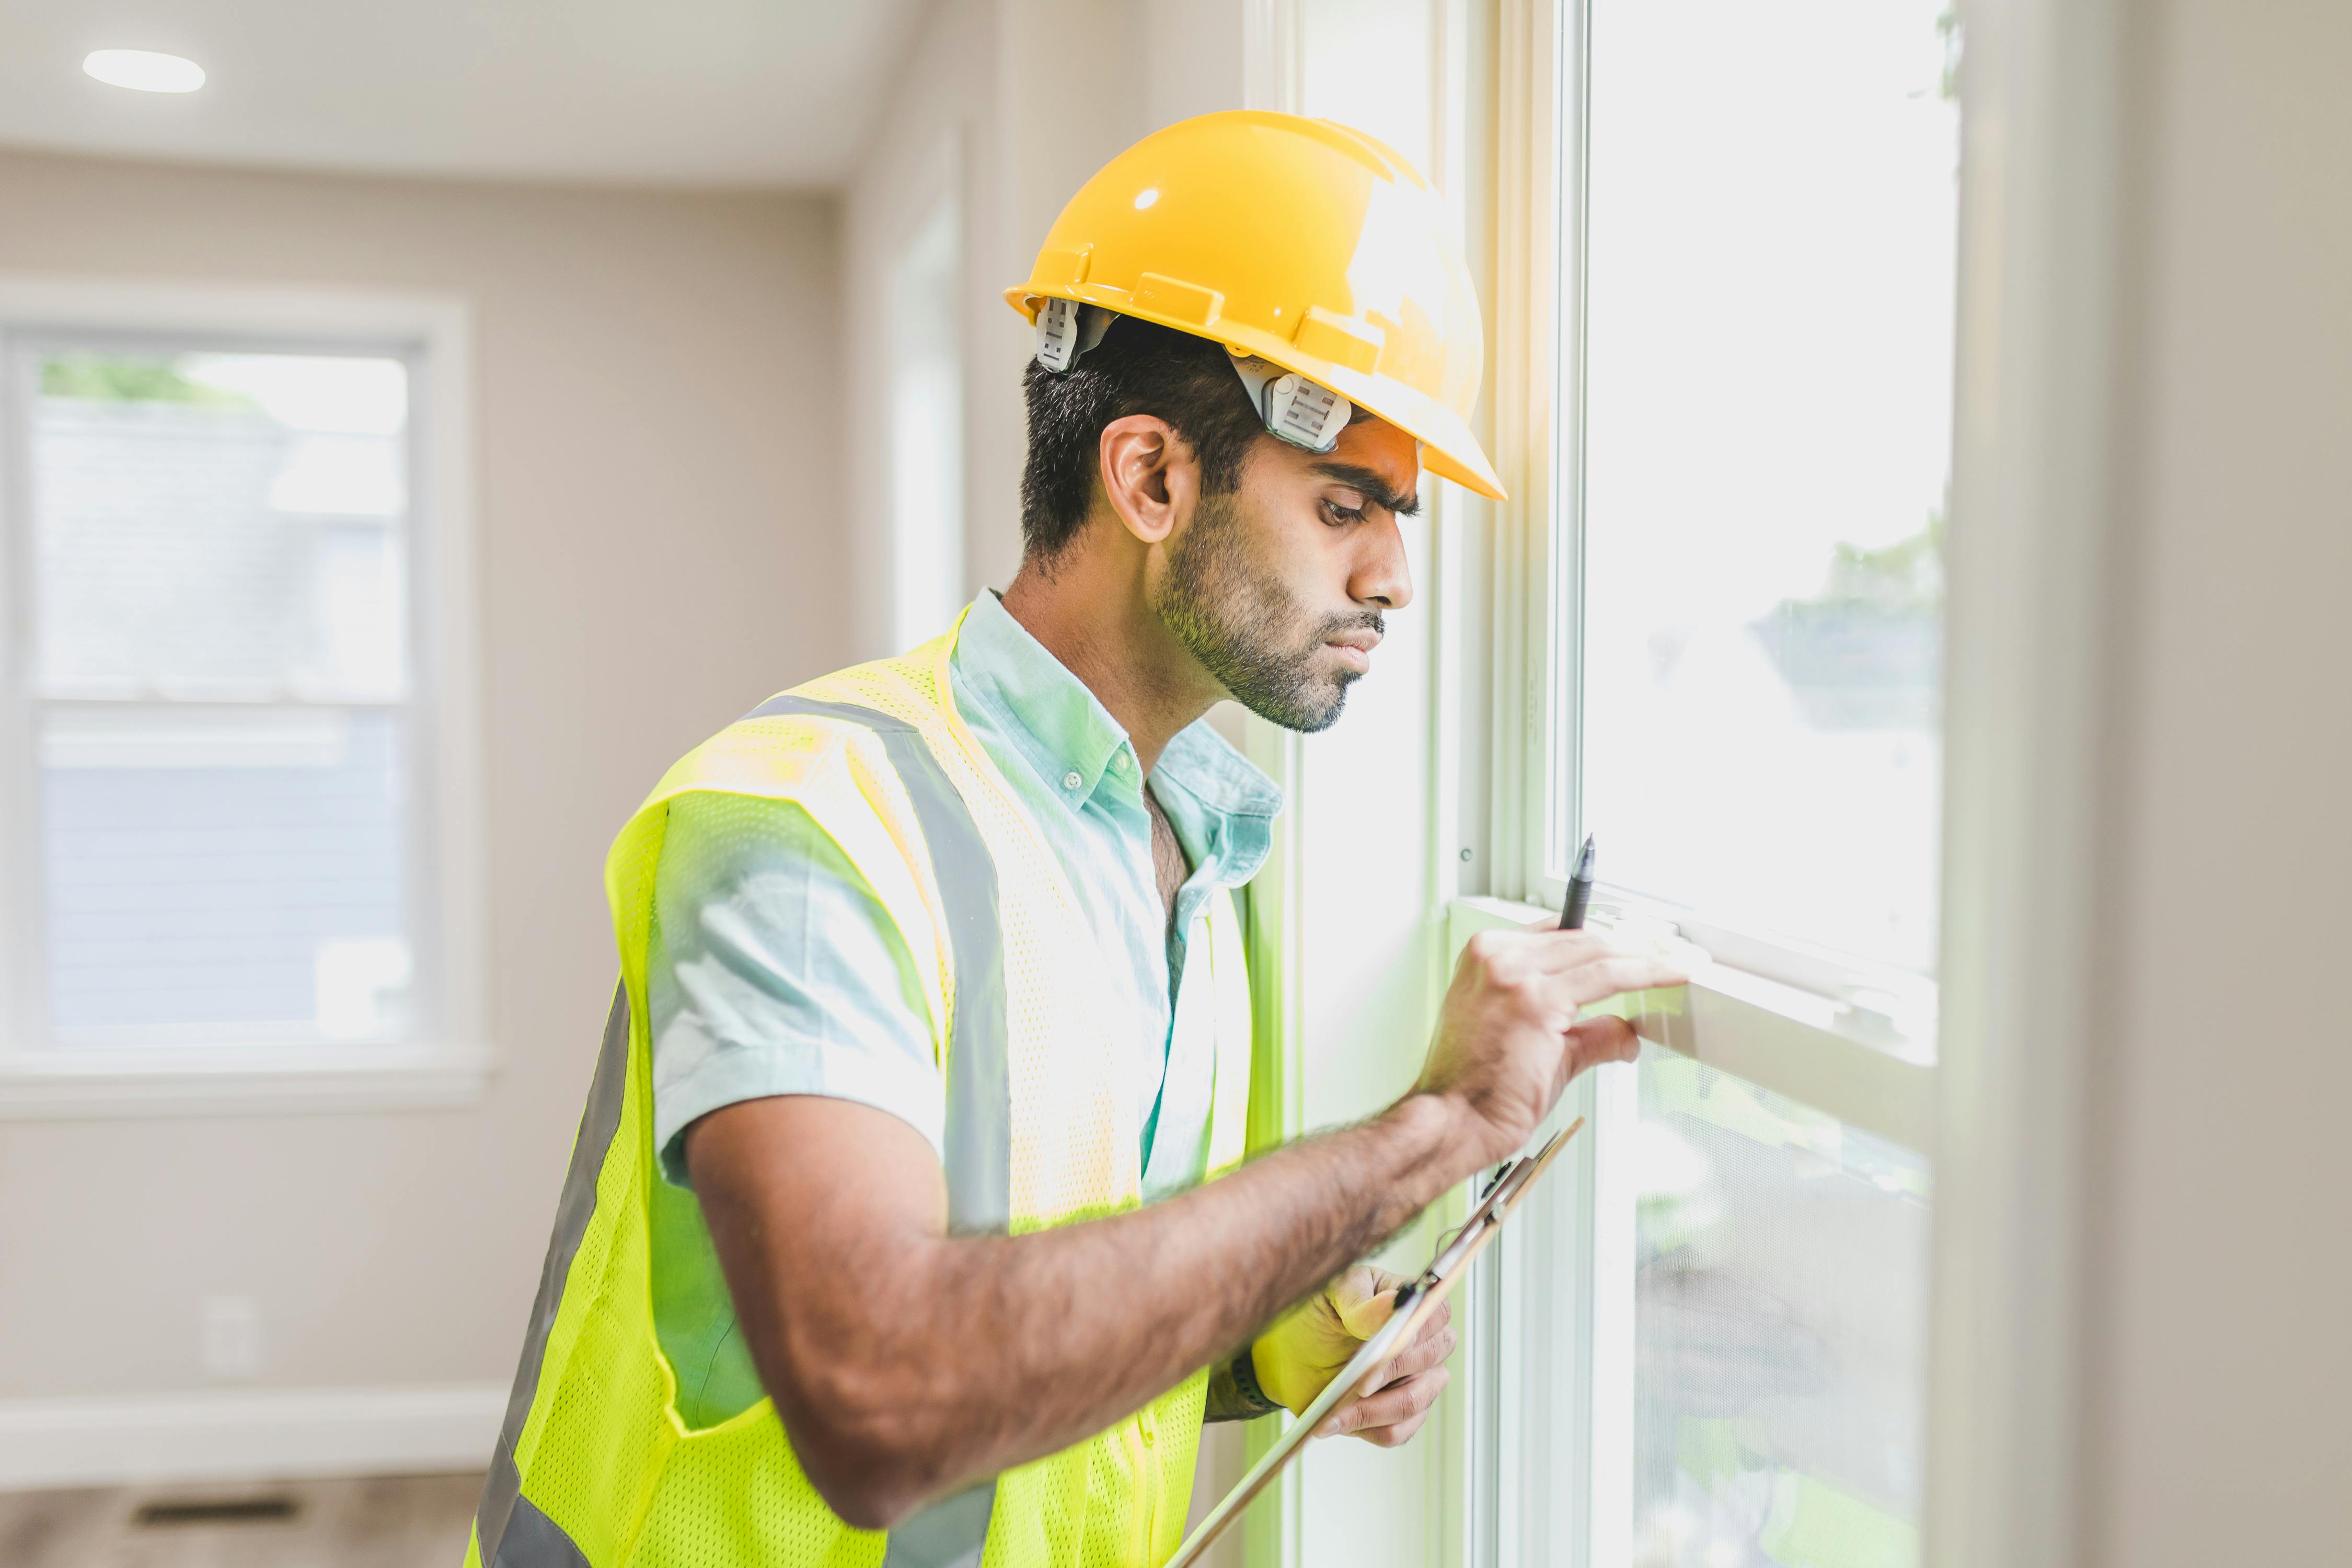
{"x": 771, "y": 968}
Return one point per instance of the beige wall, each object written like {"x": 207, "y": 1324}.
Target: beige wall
{"x": 656, "y": 493}
{"x": 2220, "y": 1274}
{"x": 1017, "y": 127}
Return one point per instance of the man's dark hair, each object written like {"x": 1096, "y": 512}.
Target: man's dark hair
{"x": 1138, "y": 367}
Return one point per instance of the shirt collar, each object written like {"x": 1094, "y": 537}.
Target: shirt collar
{"x": 1057, "y": 724}
{"x": 1221, "y": 808}
{"x": 1219, "y": 805}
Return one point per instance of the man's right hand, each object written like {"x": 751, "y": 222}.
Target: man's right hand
{"x": 1509, "y": 1041}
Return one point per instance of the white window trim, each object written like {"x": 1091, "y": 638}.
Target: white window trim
{"x": 452, "y": 1068}
{"x": 2027, "y": 738}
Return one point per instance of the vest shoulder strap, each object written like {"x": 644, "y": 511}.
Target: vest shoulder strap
{"x": 866, "y": 782}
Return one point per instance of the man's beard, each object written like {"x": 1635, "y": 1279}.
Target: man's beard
{"x": 1247, "y": 628}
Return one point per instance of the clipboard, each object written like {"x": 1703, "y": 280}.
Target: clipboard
{"x": 1413, "y": 1301}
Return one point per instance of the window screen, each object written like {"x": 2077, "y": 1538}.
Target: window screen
{"x": 214, "y": 550}
{"x": 1779, "y": 1266}
{"x": 1768, "y": 285}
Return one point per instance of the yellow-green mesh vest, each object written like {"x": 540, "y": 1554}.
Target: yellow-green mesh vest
{"x": 593, "y": 1466}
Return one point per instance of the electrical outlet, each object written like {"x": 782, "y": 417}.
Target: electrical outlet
{"x": 230, "y": 1337}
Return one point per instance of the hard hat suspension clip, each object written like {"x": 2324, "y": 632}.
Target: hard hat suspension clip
{"x": 1297, "y": 410}
{"x": 1066, "y": 329}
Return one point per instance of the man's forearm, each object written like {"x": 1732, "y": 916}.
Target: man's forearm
{"x": 992, "y": 1350}
{"x": 1098, "y": 1319}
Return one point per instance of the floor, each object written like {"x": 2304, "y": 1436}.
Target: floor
{"x": 406, "y": 1521}
{"x": 403, "y": 1521}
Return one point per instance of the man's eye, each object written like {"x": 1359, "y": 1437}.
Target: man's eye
{"x": 1340, "y": 516}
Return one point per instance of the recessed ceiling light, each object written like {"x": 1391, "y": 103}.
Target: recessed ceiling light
{"x": 144, "y": 70}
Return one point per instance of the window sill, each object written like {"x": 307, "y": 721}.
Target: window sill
{"x": 1776, "y": 1035}
{"x": 208, "y": 1081}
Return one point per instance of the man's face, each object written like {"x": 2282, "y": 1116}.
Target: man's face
{"x": 1278, "y": 588}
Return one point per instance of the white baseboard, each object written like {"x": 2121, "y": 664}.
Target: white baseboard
{"x": 247, "y": 1435}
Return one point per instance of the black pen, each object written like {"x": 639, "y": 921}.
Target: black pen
{"x": 1580, "y": 889}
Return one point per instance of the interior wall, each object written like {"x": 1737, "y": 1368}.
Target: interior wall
{"x": 656, "y": 500}
{"x": 2220, "y": 1367}
{"x": 1018, "y": 101}
{"x": 936, "y": 129}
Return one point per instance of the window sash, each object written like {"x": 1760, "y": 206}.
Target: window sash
{"x": 1538, "y": 766}
{"x": 416, "y": 860}
{"x": 1551, "y": 1417}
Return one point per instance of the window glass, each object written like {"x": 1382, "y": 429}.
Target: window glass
{"x": 1771, "y": 201}
{"x": 1778, "y": 1325}
{"x": 219, "y": 526}
{"x": 217, "y": 560}
{"x": 212, "y": 868}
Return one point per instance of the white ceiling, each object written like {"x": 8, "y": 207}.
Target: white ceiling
{"x": 703, "y": 92}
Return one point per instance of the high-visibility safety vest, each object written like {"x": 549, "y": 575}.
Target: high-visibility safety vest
{"x": 594, "y": 1468}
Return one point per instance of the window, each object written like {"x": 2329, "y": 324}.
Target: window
{"x": 1712, "y": 1333}
{"x": 926, "y": 370}
{"x": 230, "y": 672}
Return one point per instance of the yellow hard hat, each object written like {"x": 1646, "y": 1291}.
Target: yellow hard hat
{"x": 1298, "y": 241}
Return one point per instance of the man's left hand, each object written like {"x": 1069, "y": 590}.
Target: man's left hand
{"x": 1310, "y": 1345}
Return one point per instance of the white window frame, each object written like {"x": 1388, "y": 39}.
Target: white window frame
{"x": 2000, "y": 1107}
{"x": 449, "y": 1059}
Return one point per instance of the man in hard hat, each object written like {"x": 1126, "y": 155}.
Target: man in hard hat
{"x": 907, "y": 1219}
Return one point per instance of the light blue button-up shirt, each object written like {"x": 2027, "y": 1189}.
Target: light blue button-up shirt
{"x": 772, "y": 969}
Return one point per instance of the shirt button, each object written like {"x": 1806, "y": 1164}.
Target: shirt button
{"x": 1071, "y": 779}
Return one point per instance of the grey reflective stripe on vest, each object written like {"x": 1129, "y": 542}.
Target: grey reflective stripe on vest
{"x": 513, "y": 1534}
{"x": 950, "y": 1533}
{"x": 979, "y": 1091}
{"x": 534, "y": 1540}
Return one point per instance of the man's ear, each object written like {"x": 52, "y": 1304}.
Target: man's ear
{"x": 1148, "y": 475}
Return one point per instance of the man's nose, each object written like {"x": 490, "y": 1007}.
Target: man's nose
{"x": 1384, "y": 577}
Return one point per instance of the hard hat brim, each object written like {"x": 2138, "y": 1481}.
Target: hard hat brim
{"x": 1448, "y": 447}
